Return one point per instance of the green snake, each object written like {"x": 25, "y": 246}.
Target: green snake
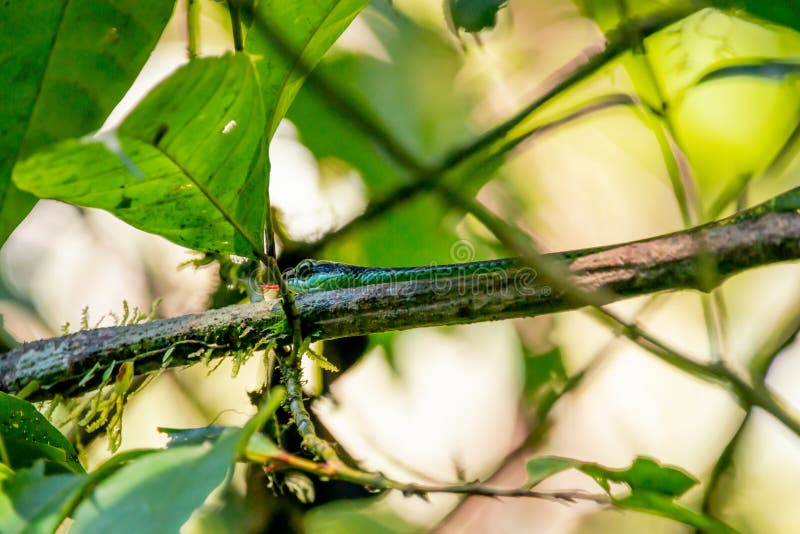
{"x": 310, "y": 276}
{"x": 314, "y": 275}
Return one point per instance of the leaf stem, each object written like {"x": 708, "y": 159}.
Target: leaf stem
{"x": 235, "y": 9}
{"x": 193, "y": 28}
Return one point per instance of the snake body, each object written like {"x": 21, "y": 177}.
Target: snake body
{"x": 313, "y": 275}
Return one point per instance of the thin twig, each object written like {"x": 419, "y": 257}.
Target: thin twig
{"x": 378, "y": 481}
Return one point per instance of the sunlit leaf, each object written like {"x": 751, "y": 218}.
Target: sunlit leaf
{"x": 731, "y": 107}
{"x": 288, "y": 39}
{"x": 732, "y": 127}
{"x": 69, "y": 63}
{"x": 691, "y": 48}
{"x": 28, "y": 436}
{"x": 188, "y": 164}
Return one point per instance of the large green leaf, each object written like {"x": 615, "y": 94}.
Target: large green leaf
{"x": 158, "y": 492}
{"x": 731, "y": 108}
{"x": 28, "y": 436}
{"x": 33, "y": 503}
{"x": 67, "y": 63}
{"x": 189, "y": 164}
{"x": 288, "y": 39}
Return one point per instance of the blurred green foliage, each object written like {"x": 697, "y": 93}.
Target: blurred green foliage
{"x": 190, "y": 164}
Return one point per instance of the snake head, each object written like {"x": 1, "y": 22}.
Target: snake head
{"x": 301, "y": 271}
{"x": 297, "y": 278}
{"x": 318, "y": 275}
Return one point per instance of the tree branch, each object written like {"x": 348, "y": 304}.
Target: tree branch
{"x": 753, "y": 238}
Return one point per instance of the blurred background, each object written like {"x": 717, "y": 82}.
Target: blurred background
{"x": 439, "y": 405}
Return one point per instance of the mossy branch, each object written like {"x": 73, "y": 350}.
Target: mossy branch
{"x": 763, "y": 235}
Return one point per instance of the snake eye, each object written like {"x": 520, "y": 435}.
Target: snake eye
{"x": 304, "y": 269}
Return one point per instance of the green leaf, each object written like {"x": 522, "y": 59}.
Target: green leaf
{"x": 69, "y": 63}
{"x": 647, "y": 474}
{"x": 544, "y": 372}
{"x": 425, "y": 219}
{"x": 31, "y": 502}
{"x": 644, "y": 474}
{"x": 730, "y": 126}
{"x": 547, "y": 466}
{"x": 287, "y": 40}
{"x": 689, "y": 49}
{"x": 158, "y": 492}
{"x": 659, "y": 504}
{"x": 652, "y": 487}
{"x": 28, "y": 436}
{"x": 189, "y": 164}
{"x": 783, "y": 12}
